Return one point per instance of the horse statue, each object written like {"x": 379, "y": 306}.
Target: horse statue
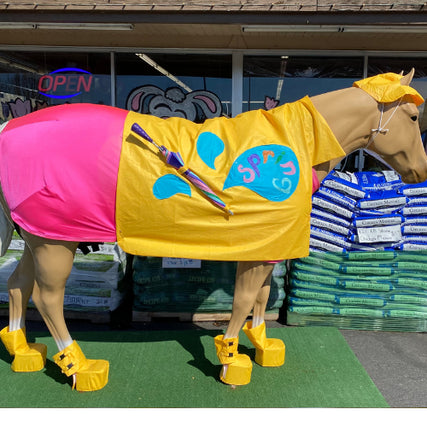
{"x": 232, "y": 189}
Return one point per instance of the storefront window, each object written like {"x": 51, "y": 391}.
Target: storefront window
{"x": 274, "y": 80}
{"x": 269, "y": 81}
{"x": 192, "y": 86}
{"x": 30, "y": 81}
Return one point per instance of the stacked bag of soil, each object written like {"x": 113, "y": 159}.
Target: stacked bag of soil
{"x": 358, "y": 211}
{"x": 93, "y": 285}
{"x": 368, "y": 248}
{"x": 414, "y": 229}
{"x": 207, "y": 289}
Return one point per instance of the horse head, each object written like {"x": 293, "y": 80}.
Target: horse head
{"x": 395, "y": 139}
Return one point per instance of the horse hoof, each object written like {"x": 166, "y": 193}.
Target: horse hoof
{"x": 89, "y": 375}
{"x": 238, "y": 372}
{"x": 32, "y": 360}
{"x": 237, "y": 367}
{"x": 28, "y": 357}
{"x": 93, "y": 377}
{"x": 272, "y": 355}
{"x": 270, "y": 352}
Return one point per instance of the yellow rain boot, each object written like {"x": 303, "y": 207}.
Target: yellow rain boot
{"x": 269, "y": 351}
{"x": 238, "y": 367}
{"x": 89, "y": 375}
{"x": 29, "y": 357}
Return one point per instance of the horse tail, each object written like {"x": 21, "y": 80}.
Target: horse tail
{"x": 6, "y": 223}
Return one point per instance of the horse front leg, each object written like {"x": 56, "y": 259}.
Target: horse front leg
{"x": 250, "y": 276}
{"x": 53, "y": 261}
{"x": 269, "y": 351}
{"x": 258, "y": 316}
{"x": 28, "y": 357}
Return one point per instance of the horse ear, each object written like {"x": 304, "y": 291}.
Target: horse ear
{"x": 406, "y": 80}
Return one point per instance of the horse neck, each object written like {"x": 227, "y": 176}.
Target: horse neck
{"x": 351, "y": 114}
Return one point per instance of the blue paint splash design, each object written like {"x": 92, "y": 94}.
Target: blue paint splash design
{"x": 169, "y": 185}
{"x": 272, "y": 171}
{"x": 209, "y": 147}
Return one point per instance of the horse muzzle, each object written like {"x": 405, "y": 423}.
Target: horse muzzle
{"x": 416, "y": 174}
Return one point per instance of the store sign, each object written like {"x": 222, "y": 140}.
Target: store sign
{"x": 65, "y": 83}
{"x": 181, "y": 263}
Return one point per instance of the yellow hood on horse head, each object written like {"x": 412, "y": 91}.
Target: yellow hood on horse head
{"x": 388, "y": 88}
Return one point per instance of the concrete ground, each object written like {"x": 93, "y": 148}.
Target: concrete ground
{"x": 396, "y": 362}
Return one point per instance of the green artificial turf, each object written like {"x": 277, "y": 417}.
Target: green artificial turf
{"x": 179, "y": 369}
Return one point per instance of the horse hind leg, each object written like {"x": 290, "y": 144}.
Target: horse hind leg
{"x": 20, "y": 286}
{"x": 28, "y": 357}
{"x": 6, "y": 228}
{"x": 53, "y": 261}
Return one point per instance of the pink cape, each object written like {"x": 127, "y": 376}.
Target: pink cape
{"x": 79, "y": 202}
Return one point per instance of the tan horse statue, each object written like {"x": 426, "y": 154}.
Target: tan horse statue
{"x": 380, "y": 113}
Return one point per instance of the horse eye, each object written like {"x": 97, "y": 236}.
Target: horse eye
{"x": 414, "y": 118}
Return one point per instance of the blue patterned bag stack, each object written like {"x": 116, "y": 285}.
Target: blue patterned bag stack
{"x": 368, "y": 253}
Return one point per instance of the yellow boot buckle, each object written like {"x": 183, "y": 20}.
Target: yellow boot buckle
{"x": 237, "y": 367}
{"x": 89, "y": 375}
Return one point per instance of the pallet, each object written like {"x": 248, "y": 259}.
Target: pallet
{"x": 149, "y": 316}
{"x": 139, "y": 316}
{"x": 93, "y": 317}
{"x": 384, "y": 324}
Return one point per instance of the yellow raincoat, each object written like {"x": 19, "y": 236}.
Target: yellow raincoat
{"x": 259, "y": 163}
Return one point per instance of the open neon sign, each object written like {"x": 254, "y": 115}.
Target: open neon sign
{"x": 65, "y": 83}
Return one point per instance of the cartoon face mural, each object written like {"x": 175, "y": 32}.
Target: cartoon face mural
{"x": 270, "y": 102}
{"x": 18, "y": 108}
{"x": 196, "y": 106}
